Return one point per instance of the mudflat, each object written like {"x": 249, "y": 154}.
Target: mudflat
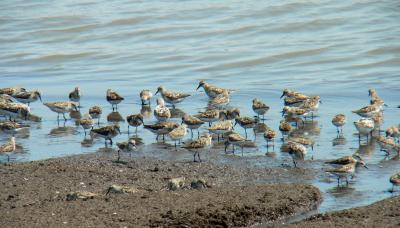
{"x": 96, "y": 191}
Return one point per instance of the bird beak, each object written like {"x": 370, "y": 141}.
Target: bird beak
{"x": 198, "y": 87}
{"x": 283, "y": 94}
{"x": 283, "y": 113}
{"x": 40, "y": 98}
{"x": 366, "y": 167}
{"x": 156, "y": 92}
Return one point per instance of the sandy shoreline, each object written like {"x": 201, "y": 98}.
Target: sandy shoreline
{"x": 36, "y": 193}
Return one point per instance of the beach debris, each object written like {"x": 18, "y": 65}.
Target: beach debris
{"x": 176, "y": 183}
{"x": 121, "y": 189}
{"x": 83, "y": 195}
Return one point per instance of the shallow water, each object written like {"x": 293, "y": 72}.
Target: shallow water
{"x": 331, "y": 48}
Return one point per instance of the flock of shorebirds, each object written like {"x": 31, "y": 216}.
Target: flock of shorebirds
{"x": 14, "y": 106}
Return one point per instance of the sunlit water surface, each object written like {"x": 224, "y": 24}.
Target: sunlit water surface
{"x": 336, "y": 49}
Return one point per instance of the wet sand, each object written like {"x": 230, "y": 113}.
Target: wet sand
{"x": 384, "y": 213}
{"x": 35, "y": 193}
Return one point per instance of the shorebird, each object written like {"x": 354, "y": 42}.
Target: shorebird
{"x": 395, "y": 180}
{"x": 345, "y": 160}
{"x": 162, "y": 112}
{"x": 75, "y": 96}
{"x": 302, "y": 140}
{"x": 297, "y": 151}
{"x": 269, "y": 136}
{"x": 234, "y": 139}
{"x": 212, "y": 91}
{"x": 345, "y": 171}
{"x": 107, "y": 132}
{"x": 245, "y": 122}
{"x": 259, "y": 127}
{"x": 113, "y": 98}
{"x": 339, "y": 121}
{"x": 386, "y": 144}
{"x": 95, "y": 112}
{"x": 295, "y": 112}
{"x": 161, "y": 128}
{"x": 259, "y": 107}
{"x": 26, "y": 97}
{"x": 61, "y": 107}
{"x": 220, "y": 100}
{"x": 393, "y": 132}
{"x": 210, "y": 116}
{"x": 14, "y": 110}
{"x": 232, "y": 113}
{"x": 192, "y": 123}
{"x": 220, "y": 127}
{"x": 295, "y": 94}
{"x": 375, "y": 99}
{"x": 285, "y": 127}
{"x": 204, "y": 142}
{"x": 11, "y": 91}
{"x": 86, "y": 122}
{"x": 5, "y": 98}
{"x": 11, "y": 127}
{"x": 171, "y": 97}
{"x": 145, "y": 96}
{"x": 127, "y": 146}
{"x": 134, "y": 120}
{"x": 8, "y": 148}
{"x": 367, "y": 111}
{"x": 178, "y": 134}
{"x": 364, "y": 127}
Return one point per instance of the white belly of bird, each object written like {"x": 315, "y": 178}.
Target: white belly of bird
{"x": 59, "y": 110}
{"x": 160, "y": 118}
{"x": 209, "y": 119}
{"x": 8, "y": 113}
{"x": 170, "y": 101}
{"x": 363, "y": 130}
{"x": 25, "y": 101}
{"x": 114, "y": 101}
{"x": 260, "y": 111}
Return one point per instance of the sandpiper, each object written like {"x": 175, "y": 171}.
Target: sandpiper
{"x": 345, "y": 160}
{"x": 62, "y": 107}
{"x": 14, "y": 110}
{"x": 95, "y": 112}
{"x": 204, "y": 142}
{"x": 145, "y": 96}
{"x": 232, "y": 113}
{"x": 212, "y": 91}
{"x": 245, "y": 122}
{"x": 135, "y": 121}
{"x": 234, "y": 139}
{"x": 269, "y": 136}
{"x": 178, "y": 134}
{"x": 5, "y": 98}
{"x": 220, "y": 100}
{"x": 192, "y": 123}
{"x": 395, "y": 180}
{"x": 393, "y": 132}
{"x": 297, "y": 151}
{"x": 302, "y": 140}
{"x": 364, "y": 126}
{"x": 295, "y": 112}
{"x": 285, "y": 127}
{"x": 161, "y": 128}
{"x": 12, "y": 90}
{"x": 86, "y": 122}
{"x": 210, "y": 116}
{"x": 75, "y": 96}
{"x": 171, "y": 97}
{"x": 127, "y": 146}
{"x": 367, "y": 111}
{"x": 345, "y": 171}
{"x": 386, "y": 144}
{"x": 113, "y": 98}
{"x": 28, "y": 97}
{"x": 295, "y": 94}
{"x": 259, "y": 127}
{"x": 11, "y": 127}
{"x": 339, "y": 121}
{"x": 107, "y": 132}
{"x": 8, "y": 148}
{"x": 220, "y": 127}
{"x": 259, "y": 107}
{"x": 375, "y": 99}
{"x": 162, "y": 112}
